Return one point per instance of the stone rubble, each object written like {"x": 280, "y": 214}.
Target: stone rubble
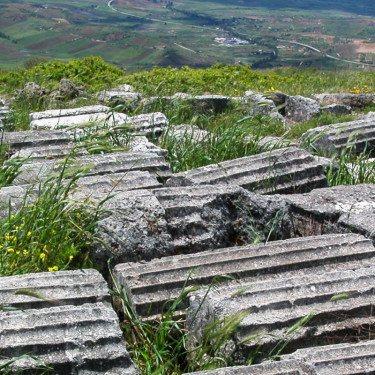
{"x": 161, "y": 230}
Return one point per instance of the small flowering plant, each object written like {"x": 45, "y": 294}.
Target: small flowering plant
{"x": 51, "y": 234}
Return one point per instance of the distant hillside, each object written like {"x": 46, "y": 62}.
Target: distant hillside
{"x": 362, "y": 7}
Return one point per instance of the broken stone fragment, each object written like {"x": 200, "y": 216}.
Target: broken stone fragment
{"x": 76, "y": 117}
{"x": 151, "y": 124}
{"x": 355, "y": 136}
{"x": 258, "y": 104}
{"x": 31, "y": 91}
{"x": 351, "y": 100}
{"x": 186, "y": 132}
{"x": 69, "y": 90}
{"x": 143, "y": 225}
{"x": 337, "y": 109}
{"x": 124, "y": 95}
{"x": 286, "y": 170}
{"x": 333, "y": 210}
{"x": 210, "y": 104}
{"x": 300, "y": 109}
{"x": 91, "y": 165}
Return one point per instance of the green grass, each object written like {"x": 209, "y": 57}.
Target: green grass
{"x": 165, "y": 345}
{"x": 50, "y": 232}
{"x": 349, "y": 168}
{"x": 324, "y": 119}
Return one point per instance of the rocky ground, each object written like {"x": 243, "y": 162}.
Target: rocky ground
{"x": 314, "y": 263}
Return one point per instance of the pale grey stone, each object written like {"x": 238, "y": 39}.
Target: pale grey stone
{"x": 333, "y": 210}
{"x": 351, "y": 100}
{"x": 148, "y": 123}
{"x": 151, "y": 284}
{"x": 329, "y": 140}
{"x": 300, "y": 109}
{"x": 54, "y": 288}
{"x": 337, "y": 109}
{"x": 346, "y": 358}
{"x": 283, "y": 170}
{"x": 91, "y": 165}
{"x": 72, "y": 339}
{"x": 186, "y": 132}
{"x": 271, "y": 307}
{"x": 267, "y": 368}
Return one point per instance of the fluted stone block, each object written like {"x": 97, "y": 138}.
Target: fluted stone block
{"x": 151, "y": 284}
{"x": 356, "y": 136}
{"x": 286, "y": 170}
{"x": 71, "y": 339}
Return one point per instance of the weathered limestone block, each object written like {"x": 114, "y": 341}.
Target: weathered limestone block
{"x": 351, "y": 100}
{"x": 266, "y": 368}
{"x": 356, "y": 135}
{"x": 333, "y": 210}
{"x": 32, "y": 138}
{"x": 341, "y": 303}
{"x": 97, "y": 165}
{"x": 299, "y": 109}
{"x": 338, "y": 359}
{"x": 31, "y": 91}
{"x": 148, "y": 123}
{"x": 259, "y": 104}
{"x": 115, "y": 182}
{"x": 65, "y": 118}
{"x": 38, "y": 154}
{"x": 140, "y": 143}
{"x": 132, "y": 228}
{"x": 286, "y": 170}
{"x": 55, "y": 289}
{"x": 4, "y": 111}
{"x": 14, "y": 197}
{"x": 71, "y": 339}
{"x": 52, "y": 113}
{"x": 143, "y": 225}
{"x": 151, "y": 284}
{"x": 206, "y": 217}
{"x": 187, "y": 132}
{"x": 121, "y": 95}
{"x": 69, "y": 90}
{"x": 337, "y": 109}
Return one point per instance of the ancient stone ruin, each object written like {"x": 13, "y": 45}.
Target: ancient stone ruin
{"x": 314, "y": 255}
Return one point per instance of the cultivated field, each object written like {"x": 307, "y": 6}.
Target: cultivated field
{"x": 144, "y": 33}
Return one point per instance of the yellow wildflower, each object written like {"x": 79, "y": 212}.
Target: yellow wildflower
{"x": 10, "y": 250}
{"x": 71, "y": 258}
{"x": 29, "y": 234}
{"x": 18, "y": 252}
{"x": 54, "y": 268}
{"x": 42, "y": 257}
{"x": 25, "y": 252}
